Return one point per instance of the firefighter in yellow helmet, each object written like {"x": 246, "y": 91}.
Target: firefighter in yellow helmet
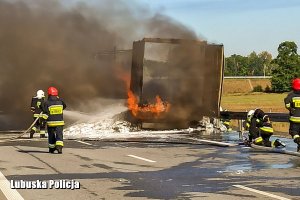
{"x": 53, "y": 108}
{"x": 36, "y": 108}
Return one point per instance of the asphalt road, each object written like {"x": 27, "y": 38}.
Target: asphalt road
{"x": 131, "y": 170}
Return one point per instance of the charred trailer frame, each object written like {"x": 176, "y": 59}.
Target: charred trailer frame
{"x": 189, "y": 77}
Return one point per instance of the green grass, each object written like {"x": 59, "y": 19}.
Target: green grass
{"x": 269, "y": 102}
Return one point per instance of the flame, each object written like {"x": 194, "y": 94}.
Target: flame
{"x": 157, "y": 108}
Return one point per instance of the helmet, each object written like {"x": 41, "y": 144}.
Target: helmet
{"x": 250, "y": 113}
{"x": 259, "y": 113}
{"x": 52, "y": 91}
{"x": 40, "y": 94}
{"x": 296, "y": 84}
{"x": 266, "y": 118}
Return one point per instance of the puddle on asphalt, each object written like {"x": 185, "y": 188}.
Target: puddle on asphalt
{"x": 233, "y": 137}
{"x": 246, "y": 167}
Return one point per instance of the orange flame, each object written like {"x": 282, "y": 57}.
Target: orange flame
{"x": 157, "y": 108}
{"x": 132, "y": 102}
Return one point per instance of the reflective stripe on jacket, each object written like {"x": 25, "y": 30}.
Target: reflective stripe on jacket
{"x": 292, "y": 103}
{"x": 53, "y": 108}
{"x": 37, "y": 106}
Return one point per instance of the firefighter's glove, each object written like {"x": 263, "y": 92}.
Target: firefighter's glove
{"x": 247, "y": 143}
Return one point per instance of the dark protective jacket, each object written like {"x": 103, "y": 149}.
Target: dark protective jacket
{"x": 265, "y": 126}
{"x": 36, "y": 106}
{"x": 53, "y": 108}
{"x": 260, "y": 125}
{"x": 292, "y": 103}
{"x": 253, "y": 128}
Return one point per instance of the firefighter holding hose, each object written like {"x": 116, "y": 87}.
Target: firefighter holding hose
{"x": 53, "y": 108}
{"x": 36, "y": 108}
{"x": 292, "y": 103}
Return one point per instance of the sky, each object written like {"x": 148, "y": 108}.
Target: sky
{"x": 242, "y": 26}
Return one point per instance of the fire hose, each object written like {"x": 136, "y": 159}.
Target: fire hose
{"x": 274, "y": 150}
{"x": 23, "y": 133}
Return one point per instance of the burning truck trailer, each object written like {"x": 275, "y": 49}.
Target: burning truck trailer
{"x": 174, "y": 82}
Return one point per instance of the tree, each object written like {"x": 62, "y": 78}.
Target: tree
{"x": 236, "y": 65}
{"x": 255, "y": 65}
{"x": 287, "y": 67}
{"x": 266, "y": 58}
{"x": 251, "y": 65}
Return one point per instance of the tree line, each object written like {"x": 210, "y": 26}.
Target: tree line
{"x": 283, "y": 69}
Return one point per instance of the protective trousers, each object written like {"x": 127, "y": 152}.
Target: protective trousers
{"x": 266, "y": 139}
{"x": 295, "y": 131}
{"x": 55, "y": 136}
{"x": 39, "y": 127}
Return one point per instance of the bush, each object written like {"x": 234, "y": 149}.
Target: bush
{"x": 268, "y": 89}
{"x": 257, "y": 88}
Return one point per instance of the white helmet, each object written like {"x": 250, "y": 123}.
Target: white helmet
{"x": 40, "y": 94}
{"x": 250, "y": 113}
{"x": 221, "y": 109}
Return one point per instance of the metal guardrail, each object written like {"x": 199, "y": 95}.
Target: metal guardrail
{"x": 274, "y": 117}
{"x": 247, "y": 77}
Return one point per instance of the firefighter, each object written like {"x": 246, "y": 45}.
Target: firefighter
{"x": 248, "y": 120}
{"x": 246, "y": 125}
{"x": 53, "y": 108}
{"x": 292, "y": 103}
{"x": 36, "y": 109}
{"x": 226, "y": 120}
{"x": 260, "y": 129}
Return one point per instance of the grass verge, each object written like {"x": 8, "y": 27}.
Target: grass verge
{"x": 268, "y": 102}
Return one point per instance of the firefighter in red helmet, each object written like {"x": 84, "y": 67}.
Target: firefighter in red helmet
{"x": 292, "y": 103}
{"x": 53, "y": 108}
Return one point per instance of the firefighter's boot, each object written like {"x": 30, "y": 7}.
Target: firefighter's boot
{"x": 42, "y": 135}
{"x": 31, "y": 133}
{"x": 298, "y": 148}
{"x": 51, "y": 150}
{"x": 279, "y": 143}
{"x": 59, "y": 149}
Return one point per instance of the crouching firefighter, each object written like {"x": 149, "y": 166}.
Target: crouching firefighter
{"x": 53, "y": 108}
{"x": 260, "y": 129}
{"x": 292, "y": 103}
{"x": 225, "y": 119}
{"x": 246, "y": 126}
{"x": 36, "y": 108}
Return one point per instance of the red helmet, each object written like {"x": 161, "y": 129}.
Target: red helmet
{"x": 296, "y": 84}
{"x": 52, "y": 91}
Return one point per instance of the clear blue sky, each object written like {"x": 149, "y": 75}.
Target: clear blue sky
{"x": 242, "y": 26}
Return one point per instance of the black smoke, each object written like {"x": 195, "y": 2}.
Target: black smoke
{"x": 47, "y": 43}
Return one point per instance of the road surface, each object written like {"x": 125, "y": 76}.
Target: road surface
{"x": 135, "y": 170}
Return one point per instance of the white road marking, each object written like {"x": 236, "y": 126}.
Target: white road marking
{"x": 83, "y": 142}
{"x": 145, "y": 159}
{"x": 261, "y": 192}
{"x": 10, "y": 194}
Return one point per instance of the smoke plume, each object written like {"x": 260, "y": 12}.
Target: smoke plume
{"x": 69, "y": 46}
